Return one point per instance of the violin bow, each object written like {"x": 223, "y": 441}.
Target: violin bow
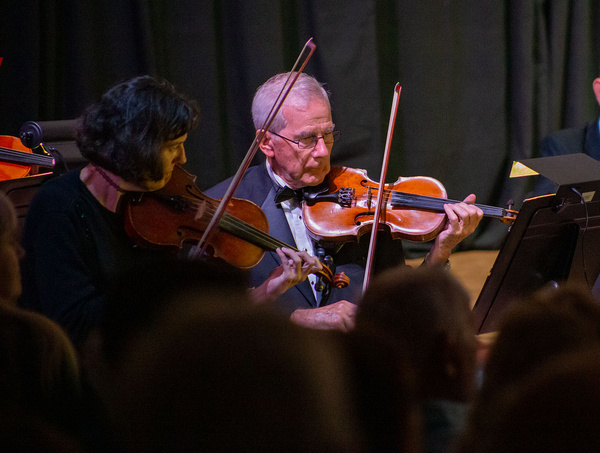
{"x": 208, "y": 234}
{"x": 381, "y": 194}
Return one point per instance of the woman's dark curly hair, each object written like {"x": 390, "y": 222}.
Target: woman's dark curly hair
{"x": 126, "y": 130}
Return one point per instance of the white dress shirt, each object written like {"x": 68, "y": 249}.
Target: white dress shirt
{"x": 293, "y": 213}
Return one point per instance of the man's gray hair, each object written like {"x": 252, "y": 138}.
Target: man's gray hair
{"x": 305, "y": 89}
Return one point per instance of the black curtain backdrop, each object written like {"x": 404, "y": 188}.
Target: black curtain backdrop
{"x": 482, "y": 81}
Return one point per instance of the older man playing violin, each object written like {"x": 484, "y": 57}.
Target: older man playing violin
{"x": 298, "y": 148}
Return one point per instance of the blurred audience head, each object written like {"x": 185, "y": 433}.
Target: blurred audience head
{"x": 22, "y": 430}
{"x": 545, "y": 324}
{"x": 555, "y": 408}
{"x": 184, "y": 361}
{"x": 531, "y": 333}
{"x": 384, "y": 391}
{"x": 233, "y": 379}
{"x": 39, "y": 372}
{"x": 427, "y": 311}
{"x": 140, "y": 296}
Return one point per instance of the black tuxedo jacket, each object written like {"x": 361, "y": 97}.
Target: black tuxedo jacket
{"x": 568, "y": 141}
{"x": 258, "y": 187}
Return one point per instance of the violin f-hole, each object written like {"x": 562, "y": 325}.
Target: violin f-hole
{"x": 361, "y": 215}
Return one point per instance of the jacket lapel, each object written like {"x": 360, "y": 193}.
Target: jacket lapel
{"x": 280, "y": 229}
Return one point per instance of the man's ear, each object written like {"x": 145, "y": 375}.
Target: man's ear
{"x": 596, "y": 87}
{"x": 266, "y": 145}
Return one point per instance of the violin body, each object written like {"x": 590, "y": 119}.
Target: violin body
{"x": 11, "y": 170}
{"x": 179, "y": 213}
{"x": 348, "y": 219}
{"x": 413, "y": 207}
{"x": 18, "y": 161}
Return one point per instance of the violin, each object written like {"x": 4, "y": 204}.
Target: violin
{"x": 16, "y": 160}
{"x": 180, "y": 212}
{"x": 412, "y": 207}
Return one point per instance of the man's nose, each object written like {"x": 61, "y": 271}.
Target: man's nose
{"x": 320, "y": 149}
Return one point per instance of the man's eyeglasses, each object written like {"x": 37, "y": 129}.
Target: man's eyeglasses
{"x": 311, "y": 141}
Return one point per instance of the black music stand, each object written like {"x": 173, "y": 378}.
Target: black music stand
{"x": 555, "y": 238}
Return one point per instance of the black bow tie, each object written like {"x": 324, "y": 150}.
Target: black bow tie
{"x": 285, "y": 193}
{"x": 304, "y": 193}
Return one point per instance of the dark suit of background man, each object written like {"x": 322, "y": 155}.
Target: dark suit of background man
{"x": 298, "y": 149}
{"x": 568, "y": 141}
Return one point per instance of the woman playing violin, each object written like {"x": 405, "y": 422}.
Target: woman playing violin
{"x": 74, "y": 236}
{"x": 298, "y": 148}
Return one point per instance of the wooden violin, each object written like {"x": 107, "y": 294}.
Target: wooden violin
{"x": 180, "y": 212}
{"x": 413, "y": 207}
{"x": 16, "y": 160}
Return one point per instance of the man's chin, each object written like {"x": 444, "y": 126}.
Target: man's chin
{"x": 318, "y": 178}
{"x": 314, "y": 181}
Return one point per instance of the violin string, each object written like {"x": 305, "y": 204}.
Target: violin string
{"x": 244, "y": 229}
{"x": 262, "y": 239}
{"x": 27, "y": 158}
{"x": 250, "y": 233}
{"x": 259, "y": 238}
{"x": 435, "y": 201}
{"x": 428, "y": 202}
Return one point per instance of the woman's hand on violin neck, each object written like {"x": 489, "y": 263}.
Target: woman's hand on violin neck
{"x": 338, "y": 316}
{"x": 294, "y": 268}
{"x": 462, "y": 220}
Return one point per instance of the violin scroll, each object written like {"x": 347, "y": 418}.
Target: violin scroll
{"x": 326, "y": 277}
{"x": 510, "y": 214}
